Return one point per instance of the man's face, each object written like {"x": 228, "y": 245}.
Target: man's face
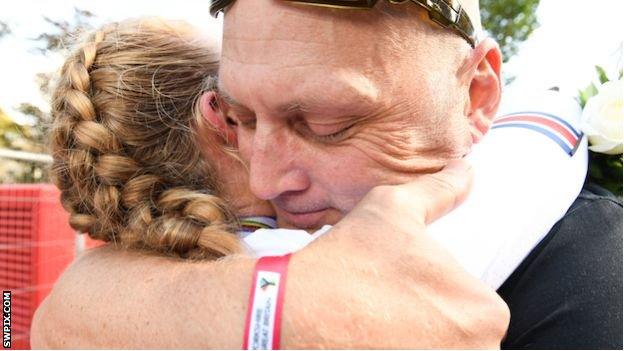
{"x": 332, "y": 103}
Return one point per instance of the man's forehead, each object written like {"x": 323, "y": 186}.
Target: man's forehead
{"x": 287, "y": 55}
{"x": 261, "y": 31}
{"x": 281, "y": 36}
{"x": 258, "y": 23}
{"x": 344, "y": 91}
{"x": 263, "y": 15}
{"x": 265, "y": 9}
{"x": 302, "y": 48}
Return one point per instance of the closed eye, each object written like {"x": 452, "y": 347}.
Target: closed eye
{"x": 328, "y": 138}
{"x": 241, "y": 120}
{"x": 249, "y": 124}
{"x": 323, "y": 134}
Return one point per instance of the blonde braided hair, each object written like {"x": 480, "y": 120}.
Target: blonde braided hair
{"x": 125, "y": 153}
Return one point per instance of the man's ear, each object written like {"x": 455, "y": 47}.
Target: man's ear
{"x": 213, "y": 113}
{"x": 483, "y": 73}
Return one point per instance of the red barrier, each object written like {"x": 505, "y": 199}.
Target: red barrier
{"x": 36, "y": 244}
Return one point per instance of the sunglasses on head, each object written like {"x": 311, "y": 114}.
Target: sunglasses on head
{"x": 447, "y": 13}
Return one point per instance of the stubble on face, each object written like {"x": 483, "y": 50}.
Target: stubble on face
{"x": 332, "y": 70}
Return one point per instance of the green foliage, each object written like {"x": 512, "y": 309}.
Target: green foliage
{"x": 606, "y": 171}
{"x": 10, "y": 131}
{"x": 591, "y": 89}
{"x": 586, "y": 93}
{"x": 509, "y": 22}
{"x": 32, "y": 137}
{"x": 39, "y": 129}
{"x": 602, "y": 75}
{"x": 19, "y": 137}
{"x": 64, "y": 32}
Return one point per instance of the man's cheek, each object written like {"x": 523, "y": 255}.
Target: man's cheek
{"x": 245, "y": 143}
{"x": 347, "y": 190}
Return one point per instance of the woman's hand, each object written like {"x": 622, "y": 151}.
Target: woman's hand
{"x": 375, "y": 281}
{"x": 386, "y": 284}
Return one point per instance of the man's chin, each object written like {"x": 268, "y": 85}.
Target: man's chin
{"x": 309, "y": 221}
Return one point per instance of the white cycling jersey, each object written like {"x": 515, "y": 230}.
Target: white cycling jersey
{"x": 529, "y": 169}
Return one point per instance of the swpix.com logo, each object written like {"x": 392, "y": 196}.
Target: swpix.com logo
{"x": 6, "y": 319}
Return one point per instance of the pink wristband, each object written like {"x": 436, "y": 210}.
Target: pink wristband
{"x": 264, "y": 312}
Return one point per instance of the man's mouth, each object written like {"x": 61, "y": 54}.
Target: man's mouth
{"x": 310, "y": 219}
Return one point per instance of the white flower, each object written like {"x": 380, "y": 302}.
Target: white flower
{"x": 603, "y": 118}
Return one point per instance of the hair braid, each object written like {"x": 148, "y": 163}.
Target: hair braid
{"x": 125, "y": 156}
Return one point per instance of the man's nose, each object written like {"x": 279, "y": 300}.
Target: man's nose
{"x": 273, "y": 164}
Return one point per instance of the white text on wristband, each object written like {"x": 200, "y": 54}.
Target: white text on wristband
{"x": 264, "y": 312}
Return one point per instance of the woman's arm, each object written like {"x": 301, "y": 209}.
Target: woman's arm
{"x": 376, "y": 280}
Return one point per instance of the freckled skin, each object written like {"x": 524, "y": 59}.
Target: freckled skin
{"x": 408, "y": 103}
{"x": 387, "y": 95}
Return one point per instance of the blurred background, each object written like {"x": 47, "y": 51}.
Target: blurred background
{"x": 547, "y": 44}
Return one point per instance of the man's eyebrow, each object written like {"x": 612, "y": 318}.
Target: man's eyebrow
{"x": 359, "y": 93}
{"x": 295, "y": 107}
{"x": 229, "y": 100}
{"x": 292, "y": 107}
